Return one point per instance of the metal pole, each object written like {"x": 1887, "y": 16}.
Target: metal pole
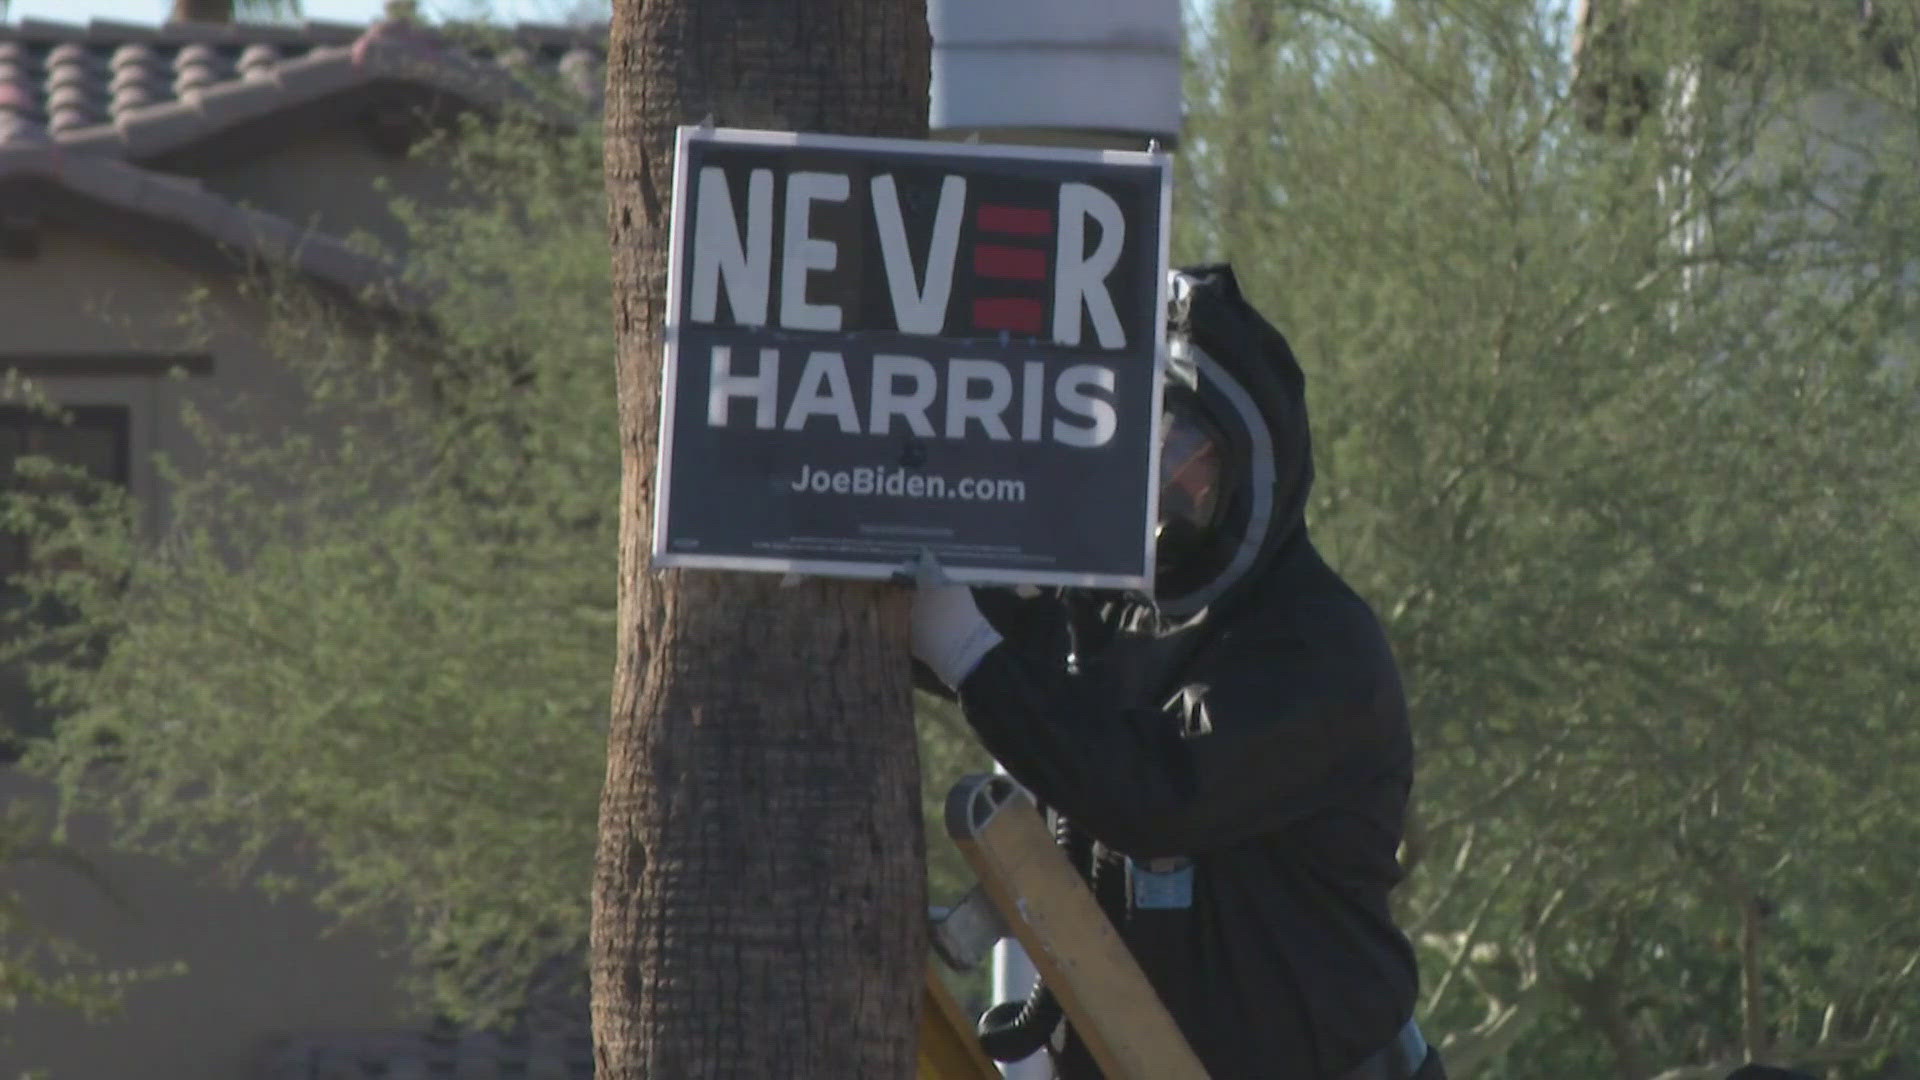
{"x": 1013, "y": 979}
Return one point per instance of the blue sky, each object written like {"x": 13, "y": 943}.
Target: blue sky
{"x": 354, "y": 11}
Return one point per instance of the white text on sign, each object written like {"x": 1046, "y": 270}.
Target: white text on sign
{"x": 908, "y": 389}
{"x": 738, "y": 258}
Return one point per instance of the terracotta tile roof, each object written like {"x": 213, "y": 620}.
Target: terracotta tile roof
{"x": 97, "y": 86}
{"x": 89, "y": 108}
{"x": 429, "y": 1056}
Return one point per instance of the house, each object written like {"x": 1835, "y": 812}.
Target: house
{"x": 141, "y": 166}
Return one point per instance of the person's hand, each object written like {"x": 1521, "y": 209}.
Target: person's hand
{"x": 949, "y": 634}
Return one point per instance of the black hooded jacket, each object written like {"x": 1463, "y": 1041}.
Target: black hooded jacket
{"x": 1260, "y": 739}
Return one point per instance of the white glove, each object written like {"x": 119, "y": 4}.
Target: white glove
{"x": 949, "y": 633}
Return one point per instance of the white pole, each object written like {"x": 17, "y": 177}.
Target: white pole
{"x": 1013, "y": 979}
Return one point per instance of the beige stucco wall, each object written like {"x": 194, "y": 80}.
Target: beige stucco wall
{"x": 84, "y": 296}
{"x": 256, "y": 967}
{"x": 327, "y": 179}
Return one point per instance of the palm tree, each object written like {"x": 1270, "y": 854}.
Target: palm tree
{"x": 759, "y": 889}
{"x": 229, "y": 10}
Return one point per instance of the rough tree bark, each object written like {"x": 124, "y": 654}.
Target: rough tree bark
{"x": 759, "y": 892}
{"x": 218, "y": 11}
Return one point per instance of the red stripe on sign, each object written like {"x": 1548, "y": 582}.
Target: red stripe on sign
{"x": 1010, "y": 263}
{"x": 1014, "y": 314}
{"x": 1015, "y": 220}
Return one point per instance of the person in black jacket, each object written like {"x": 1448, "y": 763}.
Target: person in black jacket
{"x": 1230, "y": 756}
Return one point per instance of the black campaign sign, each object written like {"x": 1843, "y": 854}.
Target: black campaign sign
{"x": 877, "y": 347}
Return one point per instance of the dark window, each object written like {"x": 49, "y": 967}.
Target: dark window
{"x": 93, "y": 438}
{"x": 90, "y": 437}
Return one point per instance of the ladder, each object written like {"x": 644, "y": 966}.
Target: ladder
{"x": 1029, "y": 890}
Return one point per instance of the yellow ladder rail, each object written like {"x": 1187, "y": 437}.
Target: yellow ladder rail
{"x": 948, "y": 1048}
{"x": 1046, "y": 906}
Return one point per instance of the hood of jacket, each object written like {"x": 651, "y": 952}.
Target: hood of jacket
{"x": 1246, "y": 377}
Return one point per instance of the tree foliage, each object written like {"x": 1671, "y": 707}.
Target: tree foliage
{"x": 386, "y": 629}
{"x": 1618, "y": 432}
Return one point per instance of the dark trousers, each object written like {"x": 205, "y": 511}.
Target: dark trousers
{"x": 1431, "y": 1069}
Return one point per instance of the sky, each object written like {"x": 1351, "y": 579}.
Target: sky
{"x": 148, "y": 12}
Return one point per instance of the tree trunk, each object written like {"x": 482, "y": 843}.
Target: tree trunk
{"x": 759, "y": 903}
{"x": 1753, "y": 1006}
{"x": 213, "y": 11}
{"x": 1249, "y": 60}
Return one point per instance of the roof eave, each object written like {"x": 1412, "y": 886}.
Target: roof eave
{"x": 238, "y": 235}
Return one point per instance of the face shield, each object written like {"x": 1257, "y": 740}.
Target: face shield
{"x": 1216, "y": 481}
{"x": 1192, "y": 470}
